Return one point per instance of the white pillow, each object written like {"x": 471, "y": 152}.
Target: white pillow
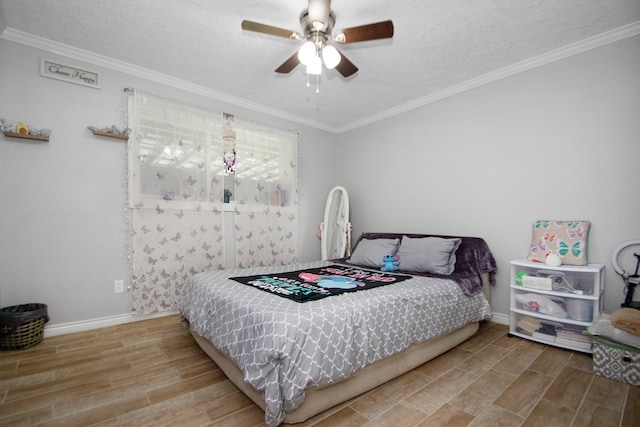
{"x": 428, "y": 254}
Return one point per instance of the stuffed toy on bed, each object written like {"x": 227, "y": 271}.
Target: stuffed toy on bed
{"x": 389, "y": 263}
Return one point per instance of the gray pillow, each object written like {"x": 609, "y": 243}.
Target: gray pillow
{"x": 370, "y": 252}
{"x": 428, "y": 254}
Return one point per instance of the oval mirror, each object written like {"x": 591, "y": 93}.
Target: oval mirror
{"x": 336, "y": 226}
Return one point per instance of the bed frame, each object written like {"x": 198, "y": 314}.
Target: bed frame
{"x": 318, "y": 400}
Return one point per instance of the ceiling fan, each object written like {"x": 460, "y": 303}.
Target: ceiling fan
{"x": 317, "y": 23}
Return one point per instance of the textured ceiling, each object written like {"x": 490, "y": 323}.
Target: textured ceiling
{"x": 438, "y": 44}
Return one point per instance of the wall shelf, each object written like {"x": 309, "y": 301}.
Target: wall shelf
{"x": 110, "y": 134}
{"x": 27, "y": 136}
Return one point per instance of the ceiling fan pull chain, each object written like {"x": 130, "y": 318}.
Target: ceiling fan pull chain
{"x": 317, "y": 83}
{"x": 308, "y": 84}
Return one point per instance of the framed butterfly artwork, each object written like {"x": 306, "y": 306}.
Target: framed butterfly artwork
{"x": 566, "y": 238}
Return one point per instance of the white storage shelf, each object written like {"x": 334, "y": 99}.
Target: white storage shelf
{"x": 562, "y": 322}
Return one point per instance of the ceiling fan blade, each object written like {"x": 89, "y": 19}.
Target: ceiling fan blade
{"x": 289, "y": 64}
{"x": 268, "y": 29}
{"x": 378, "y": 30}
{"x": 346, "y": 67}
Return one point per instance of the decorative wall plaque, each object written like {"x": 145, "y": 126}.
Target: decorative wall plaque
{"x": 71, "y": 74}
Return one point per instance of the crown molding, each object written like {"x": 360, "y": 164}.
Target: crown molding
{"x": 71, "y": 52}
{"x": 603, "y": 39}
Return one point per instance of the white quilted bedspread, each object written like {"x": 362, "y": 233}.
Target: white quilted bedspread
{"x": 284, "y": 347}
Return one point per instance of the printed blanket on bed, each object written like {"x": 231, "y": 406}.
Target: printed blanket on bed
{"x": 283, "y": 347}
{"x": 310, "y": 284}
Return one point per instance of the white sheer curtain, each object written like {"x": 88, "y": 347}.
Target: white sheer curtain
{"x": 181, "y": 159}
{"x": 265, "y": 184}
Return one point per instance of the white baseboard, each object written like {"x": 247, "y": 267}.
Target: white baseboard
{"x": 102, "y": 322}
{"x": 503, "y": 319}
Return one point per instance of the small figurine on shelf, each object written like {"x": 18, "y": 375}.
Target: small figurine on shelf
{"x": 39, "y": 132}
{"x": 552, "y": 259}
{"x": 22, "y": 129}
{"x": 227, "y": 195}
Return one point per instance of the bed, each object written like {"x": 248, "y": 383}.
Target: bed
{"x": 296, "y": 359}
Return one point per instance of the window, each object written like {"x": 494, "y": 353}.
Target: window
{"x": 181, "y": 159}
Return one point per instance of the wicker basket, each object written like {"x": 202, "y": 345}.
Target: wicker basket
{"x": 22, "y": 326}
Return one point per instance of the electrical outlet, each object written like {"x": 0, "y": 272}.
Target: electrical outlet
{"x": 119, "y": 286}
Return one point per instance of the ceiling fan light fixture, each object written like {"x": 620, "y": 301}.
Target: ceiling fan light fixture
{"x": 331, "y": 57}
{"x": 315, "y": 66}
{"x": 307, "y": 53}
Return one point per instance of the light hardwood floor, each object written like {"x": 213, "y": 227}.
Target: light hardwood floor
{"x": 152, "y": 373}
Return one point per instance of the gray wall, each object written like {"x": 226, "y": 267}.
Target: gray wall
{"x": 557, "y": 142}
{"x": 62, "y": 239}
